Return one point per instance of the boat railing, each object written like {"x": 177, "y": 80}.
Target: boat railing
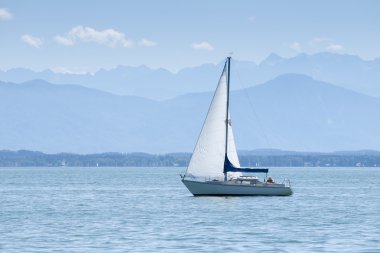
{"x": 200, "y": 179}
{"x": 207, "y": 179}
{"x": 286, "y": 182}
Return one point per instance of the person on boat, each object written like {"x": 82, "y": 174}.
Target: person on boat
{"x": 270, "y": 180}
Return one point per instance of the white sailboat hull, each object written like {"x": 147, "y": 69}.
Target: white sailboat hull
{"x": 220, "y": 188}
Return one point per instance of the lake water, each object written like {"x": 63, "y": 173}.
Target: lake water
{"x": 149, "y": 210}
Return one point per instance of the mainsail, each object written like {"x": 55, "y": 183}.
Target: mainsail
{"x": 208, "y": 157}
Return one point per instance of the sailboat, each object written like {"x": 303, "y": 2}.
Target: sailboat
{"x": 214, "y": 168}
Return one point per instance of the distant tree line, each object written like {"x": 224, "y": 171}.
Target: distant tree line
{"x": 30, "y": 158}
{"x": 316, "y": 160}
{"x": 24, "y": 158}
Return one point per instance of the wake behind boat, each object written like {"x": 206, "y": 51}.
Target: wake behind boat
{"x": 214, "y": 168}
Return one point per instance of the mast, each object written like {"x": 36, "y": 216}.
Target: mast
{"x": 227, "y": 109}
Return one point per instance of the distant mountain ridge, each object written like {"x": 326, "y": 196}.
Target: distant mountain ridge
{"x": 347, "y": 71}
{"x": 290, "y": 112}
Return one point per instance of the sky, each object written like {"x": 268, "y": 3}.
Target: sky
{"x": 87, "y": 35}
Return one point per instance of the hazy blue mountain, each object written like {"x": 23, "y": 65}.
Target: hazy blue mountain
{"x": 291, "y": 112}
{"x": 53, "y": 118}
{"x": 140, "y": 81}
{"x": 295, "y": 112}
{"x": 347, "y": 71}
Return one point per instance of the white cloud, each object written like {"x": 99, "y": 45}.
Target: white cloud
{"x": 318, "y": 40}
{"x": 5, "y": 14}
{"x": 252, "y": 19}
{"x": 296, "y": 46}
{"x": 323, "y": 44}
{"x": 109, "y": 37}
{"x": 202, "y": 46}
{"x": 148, "y": 43}
{"x": 32, "y": 41}
{"x": 64, "y": 40}
{"x": 334, "y": 47}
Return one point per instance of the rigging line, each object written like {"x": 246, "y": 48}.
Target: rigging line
{"x": 266, "y": 139}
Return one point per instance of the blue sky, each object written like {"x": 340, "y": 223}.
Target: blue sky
{"x": 81, "y": 36}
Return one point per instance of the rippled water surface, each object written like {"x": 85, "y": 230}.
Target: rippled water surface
{"x": 149, "y": 210}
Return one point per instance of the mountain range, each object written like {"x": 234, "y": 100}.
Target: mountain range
{"x": 289, "y": 112}
{"x": 347, "y": 71}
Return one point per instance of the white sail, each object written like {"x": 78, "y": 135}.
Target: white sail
{"x": 207, "y": 160}
{"x": 231, "y": 148}
{"x": 209, "y": 154}
{"x": 232, "y": 153}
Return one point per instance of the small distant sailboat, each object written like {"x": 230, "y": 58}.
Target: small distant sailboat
{"x": 214, "y": 168}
